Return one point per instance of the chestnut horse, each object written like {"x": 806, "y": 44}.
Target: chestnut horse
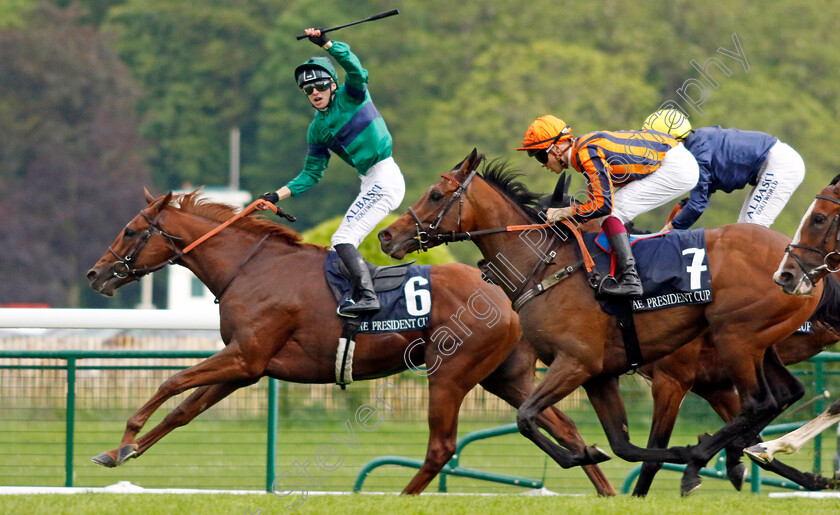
{"x": 811, "y": 256}
{"x": 582, "y": 344}
{"x": 278, "y": 319}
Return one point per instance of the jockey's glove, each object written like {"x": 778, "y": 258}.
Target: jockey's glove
{"x": 319, "y": 40}
{"x": 270, "y": 196}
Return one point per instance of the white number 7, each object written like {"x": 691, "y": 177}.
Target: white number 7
{"x": 697, "y": 267}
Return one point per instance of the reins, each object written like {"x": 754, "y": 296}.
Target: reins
{"x": 123, "y": 268}
{"x": 424, "y": 237}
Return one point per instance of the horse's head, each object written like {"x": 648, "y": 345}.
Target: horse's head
{"x": 440, "y": 211}
{"x": 815, "y": 249}
{"x": 141, "y": 248}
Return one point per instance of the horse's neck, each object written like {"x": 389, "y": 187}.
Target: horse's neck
{"x": 516, "y": 254}
{"x": 216, "y": 260}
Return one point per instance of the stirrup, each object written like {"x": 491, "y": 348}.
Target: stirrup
{"x": 618, "y": 285}
{"x": 344, "y": 305}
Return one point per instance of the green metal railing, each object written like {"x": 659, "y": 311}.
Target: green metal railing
{"x": 74, "y": 361}
{"x": 453, "y": 468}
{"x": 72, "y": 357}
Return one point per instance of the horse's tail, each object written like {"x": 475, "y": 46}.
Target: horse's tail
{"x": 827, "y": 314}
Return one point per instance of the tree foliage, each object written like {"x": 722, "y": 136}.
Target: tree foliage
{"x": 446, "y": 77}
{"x": 369, "y": 249}
{"x": 71, "y": 163}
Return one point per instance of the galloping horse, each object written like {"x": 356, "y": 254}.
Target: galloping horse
{"x": 813, "y": 254}
{"x": 278, "y": 319}
{"x": 583, "y": 345}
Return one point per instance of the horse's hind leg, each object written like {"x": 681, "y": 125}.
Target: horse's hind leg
{"x": 445, "y": 398}
{"x": 197, "y": 402}
{"x": 513, "y": 384}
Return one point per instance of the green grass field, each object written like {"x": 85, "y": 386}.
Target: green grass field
{"x": 148, "y": 504}
{"x": 221, "y": 450}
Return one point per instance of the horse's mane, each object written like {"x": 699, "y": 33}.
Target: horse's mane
{"x": 197, "y": 205}
{"x": 500, "y": 175}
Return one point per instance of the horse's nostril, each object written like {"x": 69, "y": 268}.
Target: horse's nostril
{"x": 91, "y": 275}
{"x": 384, "y": 236}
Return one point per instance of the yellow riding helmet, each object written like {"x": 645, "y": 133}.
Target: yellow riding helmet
{"x": 545, "y": 131}
{"x": 669, "y": 121}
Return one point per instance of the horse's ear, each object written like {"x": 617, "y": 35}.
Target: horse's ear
{"x": 474, "y": 160}
{"x": 149, "y": 197}
{"x": 158, "y": 204}
{"x": 469, "y": 164}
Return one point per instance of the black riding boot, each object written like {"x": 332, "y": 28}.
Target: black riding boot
{"x": 626, "y": 281}
{"x": 363, "y": 284}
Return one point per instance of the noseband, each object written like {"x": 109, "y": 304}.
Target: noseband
{"x": 124, "y": 266}
{"x": 423, "y": 236}
{"x": 815, "y": 274}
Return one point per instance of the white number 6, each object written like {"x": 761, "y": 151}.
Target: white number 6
{"x": 418, "y": 300}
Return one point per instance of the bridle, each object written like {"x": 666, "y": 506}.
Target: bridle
{"x": 815, "y": 274}
{"x": 124, "y": 267}
{"x": 423, "y": 236}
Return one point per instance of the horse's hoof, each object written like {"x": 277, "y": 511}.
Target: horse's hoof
{"x": 758, "y": 453}
{"x": 105, "y": 460}
{"x": 126, "y": 452}
{"x": 596, "y": 454}
{"x": 703, "y": 437}
{"x": 736, "y": 475}
{"x": 690, "y": 482}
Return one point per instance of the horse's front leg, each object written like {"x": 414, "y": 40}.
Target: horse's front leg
{"x": 227, "y": 365}
{"x": 668, "y": 393}
{"x": 197, "y": 403}
{"x": 605, "y": 396}
{"x": 561, "y": 378}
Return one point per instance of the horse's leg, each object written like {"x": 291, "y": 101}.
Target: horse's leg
{"x": 225, "y": 366}
{"x": 197, "y": 402}
{"x": 727, "y": 405}
{"x": 514, "y": 384}
{"x": 561, "y": 379}
{"x": 793, "y": 441}
{"x": 605, "y": 397}
{"x": 786, "y": 390}
{"x": 668, "y": 393}
{"x": 759, "y": 405}
{"x": 445, "y": 398}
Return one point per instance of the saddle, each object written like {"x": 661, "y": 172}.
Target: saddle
{"x": 385, "y": 278}
{"x": 388, "y": 281}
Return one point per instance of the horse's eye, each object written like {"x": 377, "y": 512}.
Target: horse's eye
{"x": 129, "y": 233}
{"x": 818, "y": 219}
{"x": 435, "y": 196}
